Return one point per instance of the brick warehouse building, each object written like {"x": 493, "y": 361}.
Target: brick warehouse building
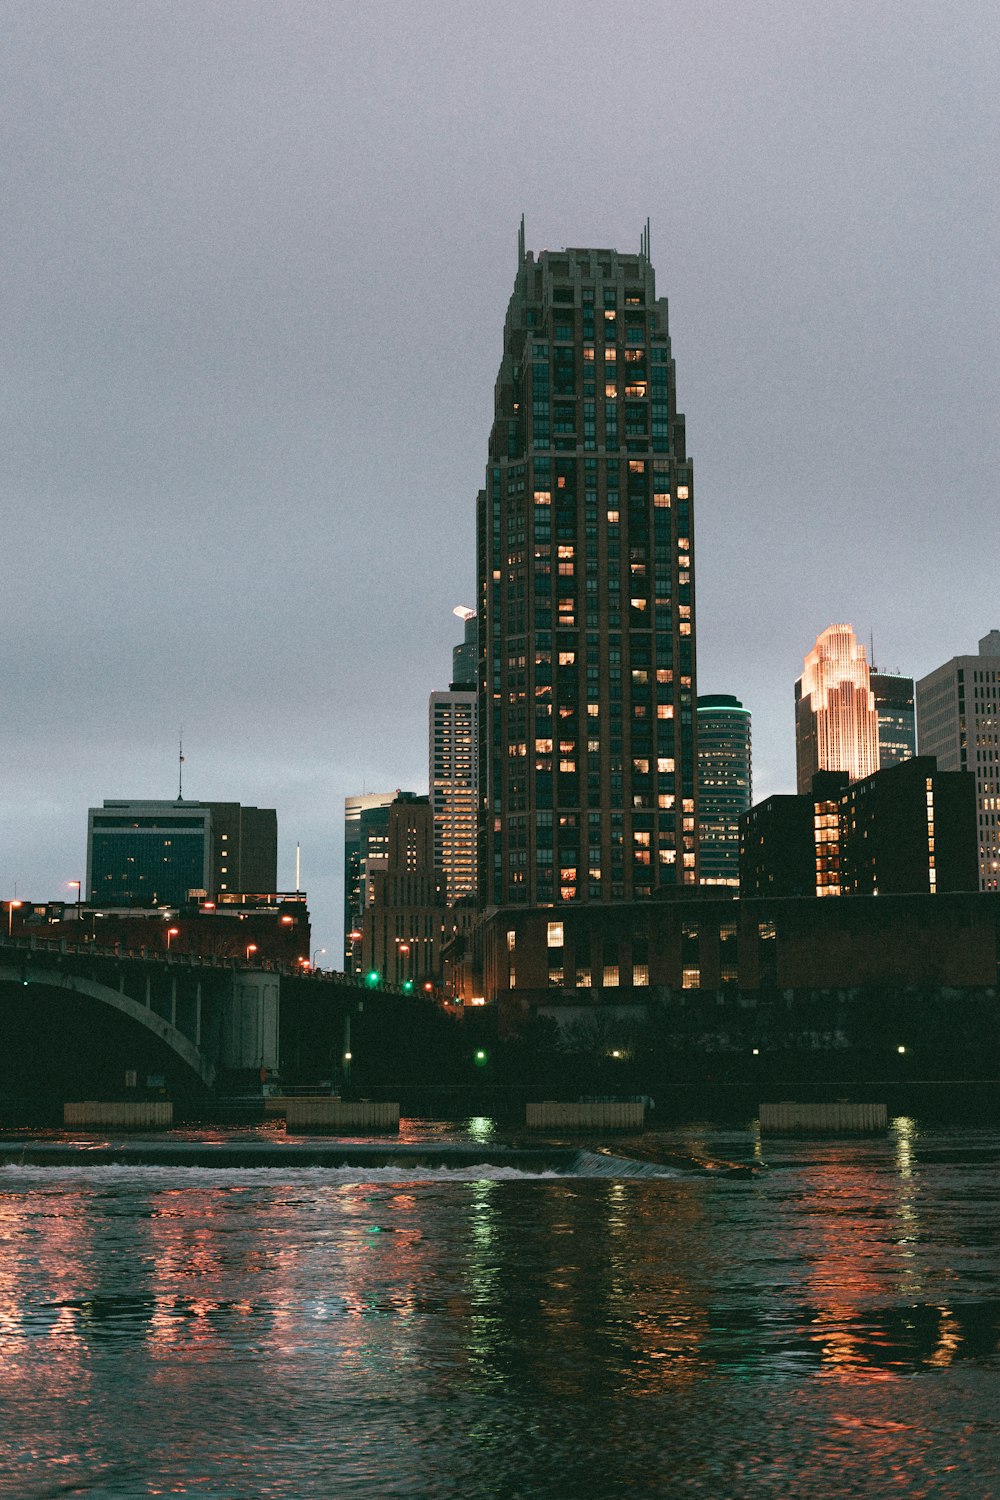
{"x": 597, "y": 960}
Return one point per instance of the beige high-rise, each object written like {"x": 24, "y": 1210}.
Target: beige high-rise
{"x": 836, "y": 721}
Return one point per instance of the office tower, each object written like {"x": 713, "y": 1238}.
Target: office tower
{"x": 145, "y": 853}
{"x": 724, "y": 785}
{"x": 403, "y": 923}
{"x": 454, "y": 768}
{"x": 586, "y": 568}
{"x": 909, "y": 829}
{"x": 244, "y": 848}
{"x": 958, "y": 721}
{"x": 366, "y": 840}
{"x": 836, "y": 723}
{"x": 897, "y": 735}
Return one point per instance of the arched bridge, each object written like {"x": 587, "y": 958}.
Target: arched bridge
{"x": 85, "y": 1015}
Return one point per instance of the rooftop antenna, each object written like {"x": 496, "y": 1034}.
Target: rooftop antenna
{"x": 520, "y": 244}
{"x": 298, "y": 868}
{"x": 644, "y": 243}
{"x": 180, "y": 766}
{"x": 871, "y": 649}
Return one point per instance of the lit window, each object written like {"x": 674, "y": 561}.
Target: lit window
{"x": 690, "y": 979}
{"x": 640, "y": 974}
{"x": 554, "y": 934}
{"x": 682, "y": 492}
{"x": 610, "y": 978}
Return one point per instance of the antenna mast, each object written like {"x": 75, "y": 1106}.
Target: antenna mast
{"x": 180, "y": 767}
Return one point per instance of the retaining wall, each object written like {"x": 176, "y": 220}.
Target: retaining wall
{"x": 124, "y": 1114}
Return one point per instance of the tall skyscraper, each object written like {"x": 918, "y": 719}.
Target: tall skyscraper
{"x": 897, "y": 730}
{"x": 836, "y": 722}
{"x": 725, "y": 787}
{"x": 586, "y": 608}
{"x": 454, "y": 769}
{"x": 958, "y": 720}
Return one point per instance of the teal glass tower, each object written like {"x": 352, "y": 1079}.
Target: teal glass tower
{"x": 725, "y": 785}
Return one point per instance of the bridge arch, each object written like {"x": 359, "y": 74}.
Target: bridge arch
{"x": 120, "y": 1002}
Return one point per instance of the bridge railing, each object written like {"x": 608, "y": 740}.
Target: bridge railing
{"x": 57, "y": 947}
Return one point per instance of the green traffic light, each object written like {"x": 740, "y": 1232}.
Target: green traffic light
{"x": 407, "y": 986}
{"x": 372, "y": 977}
{"x": 480, "y": 1057}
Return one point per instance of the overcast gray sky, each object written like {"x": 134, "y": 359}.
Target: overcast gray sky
{"x": 256, "y": 259}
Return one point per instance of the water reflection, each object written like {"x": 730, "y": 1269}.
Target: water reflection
{"x": 293, "y": 1333}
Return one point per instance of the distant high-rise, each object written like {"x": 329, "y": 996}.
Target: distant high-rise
{"x": 725, "y": 789}
{"x": 958, "y": 721}
{"x": 403, "y": 926}
{"x": 454, "y": 769}
{"x": 147, "y": 853}
{"x": 586, "y": 569}
{"x": 897, "y": 733}
{"x": 836, "y": 722}
{"x": 366, "y": 843}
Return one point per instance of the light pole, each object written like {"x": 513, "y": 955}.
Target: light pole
{"x": 10, "y": 914}
{"x": 171, "y": 933}
{"x": 251, "y": 948}
{"x": 316, "y": 954}
{"x": 78, "y": 884}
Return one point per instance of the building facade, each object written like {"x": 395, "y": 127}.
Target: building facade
{"x": 836, "y": 722}
{"x": 958, "y": 721}
{"x": 454, "y": 770}
{"x": 244, "y": 848}
{"x": 404, "y": 923}
{"x": 144, "y": 853}
{"x": 725, "y": 785}
{"x": 586, "y": 581}
{"x": 588, "y": 964}
{"x": 897, "y": 724}
{"x": 366, "y": 843}
{"x": 908, "y": 830}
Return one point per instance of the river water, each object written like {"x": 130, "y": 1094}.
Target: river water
{"x": 827, "y": 1327}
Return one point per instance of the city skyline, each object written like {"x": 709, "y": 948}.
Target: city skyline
{"x": 194, "y": 458}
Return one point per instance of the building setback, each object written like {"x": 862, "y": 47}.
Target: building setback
{"x": 907, "y": 830}
{"x": 836, "y": 722}
{"x": 958, "y": 721}
{"x": 586, "y": 593}
{"x": 725, "y": 785}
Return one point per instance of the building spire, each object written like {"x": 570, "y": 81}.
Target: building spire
{"x": 644, "y": 243}
{"x": 180, "y": 766}
{"x": 520, "y": 244}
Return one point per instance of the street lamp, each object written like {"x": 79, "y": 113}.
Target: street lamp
{"x": 10, "y": 914}
{"x": 316, "y": 954}
{"x": 171, "y": 933}
{"x": 78, "y": 884}
{"x": 251, "y": 948}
